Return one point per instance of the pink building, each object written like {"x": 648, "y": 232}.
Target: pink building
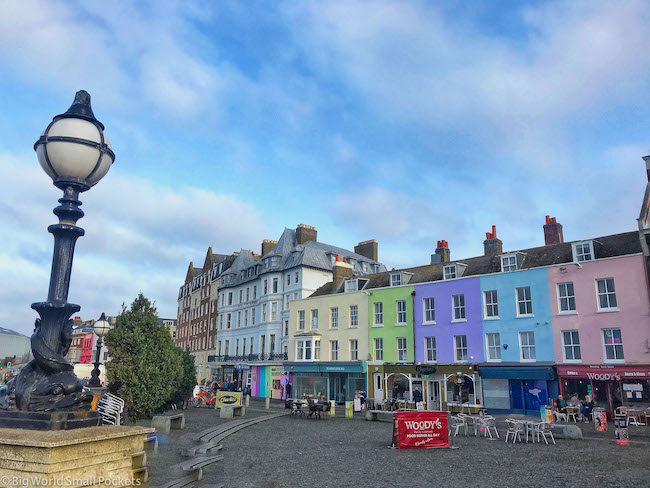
{"x": 601, "y": 321}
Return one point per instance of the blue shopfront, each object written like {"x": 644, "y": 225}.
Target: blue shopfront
{"x": 518, "y": 388}
{"x": 339, "y": 381}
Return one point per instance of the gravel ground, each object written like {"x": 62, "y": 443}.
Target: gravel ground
{"x": 338, "y": 452}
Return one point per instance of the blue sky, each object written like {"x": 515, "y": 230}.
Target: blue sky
{"x": 408, "y": 122}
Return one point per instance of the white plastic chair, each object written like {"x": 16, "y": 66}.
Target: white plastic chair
{"x": 515, "y": 429}
{"x": 457, "y": 423}
{"x": 543, "y": 429}
{"x": 110, "y": 407}
{"x": 488, "y": 424}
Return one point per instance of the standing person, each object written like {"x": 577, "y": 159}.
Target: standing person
{"x": 288, "y": 390}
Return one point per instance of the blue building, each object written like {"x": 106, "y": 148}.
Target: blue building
{"x": 518, "y": 373}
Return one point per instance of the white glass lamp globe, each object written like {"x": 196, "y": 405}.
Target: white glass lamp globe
{"x": 101, "y": 326}
{"x": 73, "y": 148}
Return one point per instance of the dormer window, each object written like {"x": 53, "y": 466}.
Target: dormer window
{"x": 449, "y": 271}
{"x": 509, "y": 263}
{"x": 395, "y": 279}
{"x": 351, "y": 285}
{"x": 583, "y": 251}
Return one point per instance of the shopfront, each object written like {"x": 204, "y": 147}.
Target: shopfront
{"x": 518, "y": 388}
{"x": 610, "y": 386}
{"x": 340, "y": 382}
{"x": 267, "y": 381}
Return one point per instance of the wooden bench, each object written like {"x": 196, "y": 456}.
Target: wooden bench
{"x": 374, "y": 414}
{"x": 230, "y": 411}
{"x": 164, "y": 423}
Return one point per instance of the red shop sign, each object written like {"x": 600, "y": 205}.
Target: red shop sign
{"x": 420, "y": 430}
{"x": 604, "y": 372}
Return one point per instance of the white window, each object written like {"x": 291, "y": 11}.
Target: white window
{"x": 351, "y": 285}
{"x": 229, "y": 298}
{"x": 493, "y": 342}
{"x": 314, "y": 319}
{"x": 264, "y": 312}
{"x": 491, "y": 302}
{"x": 334, "y": 350}
{"x": 254, "y": 292}
{"x": 239, "y": 319}
{"x": 449, "y": 271}
{"x": 248, "y": 294}
{"x": 606, "y": 294}
{"x": 524, "y": 302}
{"x": 613, "y": 343}
{"x": 266, "y": 286}
{"x": 275, "y": 285}
{"x": 354, "y": 316}
{"x": 316, "y": 349}
{"x": 401, "y": 312}
{"x": 379, "y": 314}
{"x": 402, "y": 354}
{"x": 221, "y": 321}
{"x": 228, "y": 321}
{"x": 379, "y": 349}
{"x": 251, "y": 346}
{"x": 395, "y": 279}
{"x": 300, "y": 350}
{"x": 246, "y": 318}
{"x": 458, "y": 302}
{"x": 583, "y": 251}
{"x": 334, "y": 317}
{"x": 301, "y": 320}
{"x": 241, "y": 294}
{"x": 460, "y": 342}
{"x": 527, "y": 346}
{"x": 243, "y": 349}
{"x": 252, "y": 316}
{"x": 308, "y": 350}
{"x": 288, "y": 279}
{"x": 354, "y": 349}
{"x": 571, "y": 346}
{"x": 508, "y": 263}
{"x": 237, "y": 347}
{"x": 428, "y": 305}
{"x": 274, "y": 310}
{"x": 296, "y": 279}
{"x": 430, "y": 344}
{"x": 566, "y": 297}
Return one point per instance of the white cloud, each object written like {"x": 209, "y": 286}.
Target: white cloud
{"x": 139, "y": 237}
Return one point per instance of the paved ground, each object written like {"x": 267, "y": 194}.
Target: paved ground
{"x": 338, "y": 452}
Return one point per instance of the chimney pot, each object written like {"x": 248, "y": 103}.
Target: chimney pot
{"x": 442, "y": 254}
{"x": 492, "y": 245}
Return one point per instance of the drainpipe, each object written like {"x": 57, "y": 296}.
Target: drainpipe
{"x": 424, "y": 392}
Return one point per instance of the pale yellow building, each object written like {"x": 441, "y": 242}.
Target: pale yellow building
{"x": 328, "y": 340}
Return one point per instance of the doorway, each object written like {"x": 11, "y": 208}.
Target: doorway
{"x": 433, "y": 396}
{"x": 379, "y": 390}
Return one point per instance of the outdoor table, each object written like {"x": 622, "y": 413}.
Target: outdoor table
{"x": 572, "y": 410}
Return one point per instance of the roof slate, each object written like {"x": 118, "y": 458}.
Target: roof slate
{"x": 605, "y": 247}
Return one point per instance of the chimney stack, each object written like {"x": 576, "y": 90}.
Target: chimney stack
{"x": 442, "y": 255}
{"x": 552, "y": 232}
{"x": 492, "y": 245}
{"x": 306, "y": 233}
{"x": 267, "y": 246}
{"x": 368, "y": 249}
{"x": 341, "y": 271}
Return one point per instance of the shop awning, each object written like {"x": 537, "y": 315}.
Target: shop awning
{"x": 518, "y": 372}
{"x": 329, "y": 367}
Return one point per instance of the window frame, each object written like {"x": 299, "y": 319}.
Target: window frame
{"x": 354, "y": 352}
{"x": 334, "y": 317}
{"x": 334, "y": 350}
{"x": 376, "y": 313}
{"x": 486, "y": 305}
{"x": 426, "y": 310}
{"x": 528, "y": 346}
{"x": 354, "y": 317}
{"x": 530, "y": 300}
{"x": 572, "y": 346}
{"x": 457, "y": 348}
{"x": 577, "y": 256}
{"x": 399, "y": 312}
{"x": 567, "y": 297}
{"x": 301, "y": 320}
{"x": 379, "y": 351}
{"x": 428, "y": 350}
{"x": 506, "y": 267}
{"x": 448, "y": 270}
{"x": 404, "y": 349}
{"x": 615, "y": 360}
{"x": 314, "y": 323}
{"x": 396, "y": 277}
{"x": 607, "y": 293}
{"x": 460, "y": 307}
{"x": 489, "y": 347}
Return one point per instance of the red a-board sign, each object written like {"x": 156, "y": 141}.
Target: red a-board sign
{"x": 420, "y": 430}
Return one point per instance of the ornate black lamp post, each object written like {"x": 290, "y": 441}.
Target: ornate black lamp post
{"x": 76, "y": 154}
{"x": 100, "y": 328}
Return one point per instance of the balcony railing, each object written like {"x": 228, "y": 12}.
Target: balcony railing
{"x": 248, "y": 357}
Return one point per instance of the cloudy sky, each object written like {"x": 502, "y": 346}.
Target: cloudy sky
{"x": 404, "y": 121}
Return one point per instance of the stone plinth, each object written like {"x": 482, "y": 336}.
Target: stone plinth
{"x": 93, "y": 456}
{"x": 16, "y": 419}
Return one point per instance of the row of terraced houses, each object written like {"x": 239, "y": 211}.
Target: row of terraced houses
{"x": 508, "y": 330}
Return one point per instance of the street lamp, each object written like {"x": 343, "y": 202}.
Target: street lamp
{"x": 100, "y": 328}
{"x": 74, "y": 151}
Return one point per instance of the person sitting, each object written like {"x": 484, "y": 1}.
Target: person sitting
{"x": 561, "y": 404}
{"x": 587, "y": 407}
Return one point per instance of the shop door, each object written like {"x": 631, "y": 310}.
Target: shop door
{"x": 433, "y": 395}
{"x": 379, "y": 390}
{"x": 535, "y": 394}
{"x": 336, "y": 384}
{"x": 516, "y": 395}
